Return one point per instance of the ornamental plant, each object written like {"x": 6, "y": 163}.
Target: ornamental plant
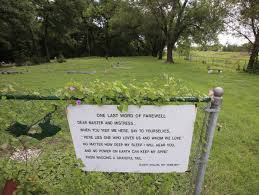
{"x": 148, "y": 93}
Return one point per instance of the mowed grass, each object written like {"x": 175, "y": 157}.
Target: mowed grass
{"x": 230, "y": 61}
{"x": 234, "y": 160}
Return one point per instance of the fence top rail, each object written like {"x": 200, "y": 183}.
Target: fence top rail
{"x": 39, "y": 97}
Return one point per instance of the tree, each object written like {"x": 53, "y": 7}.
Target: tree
{"x": 117, "y": 26}
{"x": 125, "y": 30}
{"x": 17, "y": 32}
{"x": 58, "y": 21}
{"x": 178, "y": 17}
{"x": 243, "y": 20}
{"x": 38, "y": 30}
{"x": 103, "y": 11}
{"x": 153, "y": 35}
{"x": 44, "y": 10}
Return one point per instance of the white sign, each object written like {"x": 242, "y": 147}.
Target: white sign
{"x": 146, "y": 139}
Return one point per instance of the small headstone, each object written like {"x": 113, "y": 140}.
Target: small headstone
{"x": 81, "y": 72}
{"x": 10, "y": 72}
{"x": 214, "y": 70}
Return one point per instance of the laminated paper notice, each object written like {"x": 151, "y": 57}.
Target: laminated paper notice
{"x": 146, "y": 139}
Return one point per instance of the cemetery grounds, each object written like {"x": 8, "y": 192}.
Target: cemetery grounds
{"x": 234, "y": 160}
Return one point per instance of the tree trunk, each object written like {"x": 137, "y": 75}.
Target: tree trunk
{"x": 253, "y": 60}
{"x": 45, "y": 40}
{"x": 154, "y": 49}
{"x": 46, "y": 50}
{"x": 169, "y": 58}
{"x": 154, "y": 52}
{"x": 88, "y": 45}
{"x": 161, "y": 49}
{"x": 107, "y": 40}
{"x": 93, "y": 43}
{"x": 34, "y": 50}
{"x": 160, "y": 54}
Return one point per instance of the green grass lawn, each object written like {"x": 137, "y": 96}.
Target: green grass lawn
{"x": 234, "y": 160}
{"x": 230, "y": 61}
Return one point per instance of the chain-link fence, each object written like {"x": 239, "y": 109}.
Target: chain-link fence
{"x": 37, "y": 151}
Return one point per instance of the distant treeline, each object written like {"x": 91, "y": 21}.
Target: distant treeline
{"x": 35, "y": 31}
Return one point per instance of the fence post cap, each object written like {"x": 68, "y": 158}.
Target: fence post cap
{"x": 218, "y": 91}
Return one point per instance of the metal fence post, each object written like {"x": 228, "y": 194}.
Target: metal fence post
{"x": 212, "y": 123}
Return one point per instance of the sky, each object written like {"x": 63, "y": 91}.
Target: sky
{"x": 230, "y": 39}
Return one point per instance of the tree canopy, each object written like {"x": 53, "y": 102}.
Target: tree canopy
{"x": 186, "y": 18}
{"x": 38, "y": 30}
{"x": 243, "y": 21}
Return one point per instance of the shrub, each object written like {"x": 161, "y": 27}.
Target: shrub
{"x": 61, "y": 58}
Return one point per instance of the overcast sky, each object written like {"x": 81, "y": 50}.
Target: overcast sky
{"x": 230, "y": 39}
